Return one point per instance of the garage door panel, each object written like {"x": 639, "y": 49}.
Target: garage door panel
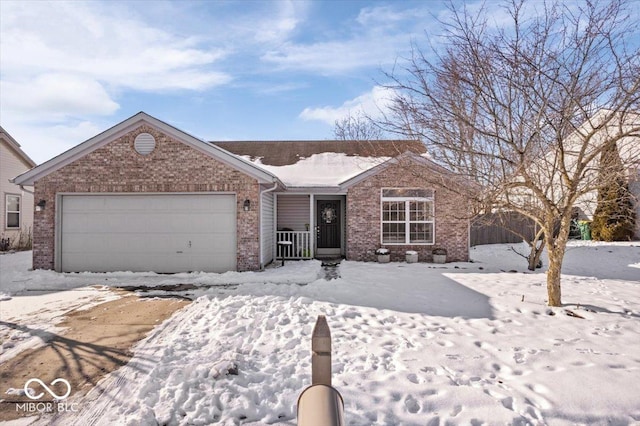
{"x": 143, "y": 244}
{"x": 223, "y": 221}
{"x": 123, "y": 243}
{"x": 182, "y": 223}
{"x": 75, "y": 205}
{"x": 162, "y": 233}
{"x": 77, "y": 223}
{"x": 214, "y": 223}
{"x": 129, "y": 223}
{"x": 158, "y": 203}
{"x": 78, "y": 242}
{"x": 98, "y": 244}
{"x": 207, "y": 244}
{"x": 200, "y": 262}
{"x": 95, "y": 262}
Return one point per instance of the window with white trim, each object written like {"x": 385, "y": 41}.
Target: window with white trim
{"x": 12, "y": 211}
{"x": 407, "y": 216}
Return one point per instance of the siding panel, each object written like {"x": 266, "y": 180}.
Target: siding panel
{"x": 293, "y": 212}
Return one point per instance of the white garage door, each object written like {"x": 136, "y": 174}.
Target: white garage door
{"x": 160, "y": 233}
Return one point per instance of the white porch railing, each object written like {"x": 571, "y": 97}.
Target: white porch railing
{"x": 300, "y": 247}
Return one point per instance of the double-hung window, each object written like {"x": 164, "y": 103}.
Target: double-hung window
{"x": 407, "y": 216}
{"x": 12, "y": 211}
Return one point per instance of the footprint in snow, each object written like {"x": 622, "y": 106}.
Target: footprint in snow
{"x": 456, "y": 410}
{"x": 431, "y": 370}
{"x": 411, "y": 404}
{"x": 413, "y": 378}
{"x": 507, "y": 403}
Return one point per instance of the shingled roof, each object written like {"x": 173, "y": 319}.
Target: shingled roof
{"x": 283, "y": 153}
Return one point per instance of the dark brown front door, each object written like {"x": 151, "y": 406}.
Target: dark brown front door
{"x": 328, "y": 221}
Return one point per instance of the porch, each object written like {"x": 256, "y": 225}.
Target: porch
{"x": 309, "y": 226}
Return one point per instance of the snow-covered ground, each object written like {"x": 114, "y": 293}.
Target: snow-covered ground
{"x": 413, "y": 344}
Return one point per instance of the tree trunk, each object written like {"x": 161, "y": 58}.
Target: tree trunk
{"x": 553, "y": 277}
{"x": 555, "y": 250}
{"x": 534, "y": 255}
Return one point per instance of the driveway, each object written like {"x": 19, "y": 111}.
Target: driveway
{"x": 92, "y": 343}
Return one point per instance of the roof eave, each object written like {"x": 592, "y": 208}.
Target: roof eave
{"x": 366, "y": 174}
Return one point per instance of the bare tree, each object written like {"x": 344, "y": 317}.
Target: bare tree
{"x": 525, "y": 108}
{"x": 357, "y": 127}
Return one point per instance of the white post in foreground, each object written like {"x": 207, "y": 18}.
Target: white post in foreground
{"x": 321, "y": 353}
{"x": 320, "y": 404}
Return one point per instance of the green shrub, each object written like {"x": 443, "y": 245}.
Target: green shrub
{"x": 614, "y": 218}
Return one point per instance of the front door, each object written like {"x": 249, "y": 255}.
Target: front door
{"x": 328, "y": 227}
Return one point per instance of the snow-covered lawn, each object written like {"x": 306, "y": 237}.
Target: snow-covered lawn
{"x": 413, "y": 344}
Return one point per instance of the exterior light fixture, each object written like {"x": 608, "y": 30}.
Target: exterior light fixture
{"x": 247, "y": 205}
{"x": 40, "y": 205}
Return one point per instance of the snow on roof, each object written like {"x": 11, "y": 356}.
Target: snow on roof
{"x": 324, "y": 169}
{"x": 281, "y": 153}
{"x": 319, "y": 163}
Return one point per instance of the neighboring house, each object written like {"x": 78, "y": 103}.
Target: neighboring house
{"x": 554, "y": 173}
{"x": 629, "y": 150}
{"x": 144, "y": 195}
{"x": 17, "y": 202}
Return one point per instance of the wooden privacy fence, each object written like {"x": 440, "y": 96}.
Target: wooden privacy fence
{"x": 495, "y": 228}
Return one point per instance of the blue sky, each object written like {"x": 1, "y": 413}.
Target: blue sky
{"x": 218, "y": 70}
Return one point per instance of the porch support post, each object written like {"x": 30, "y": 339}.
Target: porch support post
{"x": 312, "y": 225}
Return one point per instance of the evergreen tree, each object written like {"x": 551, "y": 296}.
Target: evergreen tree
{"x": 614, "y": 218}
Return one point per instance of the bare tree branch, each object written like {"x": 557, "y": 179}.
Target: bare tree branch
{"x": 357, "y": 127}
{"x": 526, "y": 109}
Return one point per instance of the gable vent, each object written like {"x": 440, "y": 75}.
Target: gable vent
{"x": 144, "y": 144}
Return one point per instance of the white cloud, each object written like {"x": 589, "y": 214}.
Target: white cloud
{"x": 376, "y": 37}
{"x": 276, "y": 89}
{"x": 56, "y": 96}
{"x": 102, "y": 44}
{"x": 334, "y": 57}
{"x": 71, "y": 58}
{"x": 387, "y": 15}
{"x": 288, "y": 15}
{"x": 44, "y": 141}
{"x": 373, "y": 104}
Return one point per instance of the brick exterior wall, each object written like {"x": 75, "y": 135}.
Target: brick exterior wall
{"x": 171, "y": 167}
{"x": 364, "y": 217}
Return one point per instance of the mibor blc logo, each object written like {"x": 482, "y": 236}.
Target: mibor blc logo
{"x": 47, "y": 388}
{"x": 47, "y": 407}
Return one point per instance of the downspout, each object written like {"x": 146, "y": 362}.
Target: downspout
{"x": 275, "y": 186}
